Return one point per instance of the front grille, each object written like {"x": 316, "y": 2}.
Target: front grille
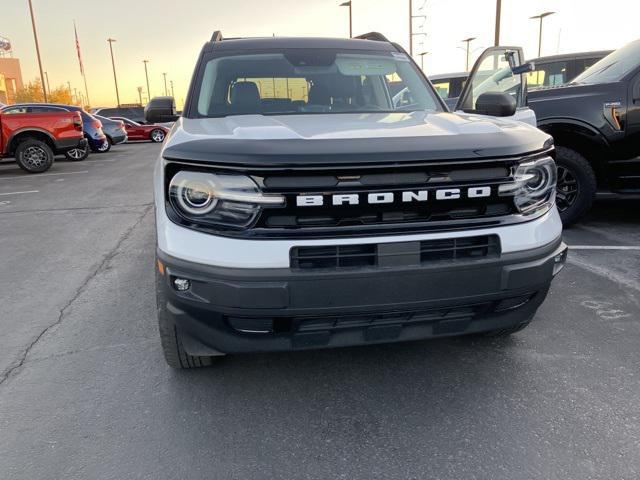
{"x": 460, "y": 248}
{"x": 395, "y": 254}
{"x": 396, "y": 213}
{"x": 339, "y": 256}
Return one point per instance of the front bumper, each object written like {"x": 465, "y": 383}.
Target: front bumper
{"x": 233, "y": 310}
{"x": 118, "y": 139}
{"x": 64, "y": 145}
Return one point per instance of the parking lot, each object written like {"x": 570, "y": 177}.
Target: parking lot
{"x": 85, "y": 392}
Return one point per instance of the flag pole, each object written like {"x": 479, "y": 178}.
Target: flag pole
{"x": 84, "y": 76}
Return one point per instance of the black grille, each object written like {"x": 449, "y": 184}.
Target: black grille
{"x": 460, "y": 248}
{"x": 339, "y": 256}
{"x": 395, "y": 254}
{"x": 394, "y": 216}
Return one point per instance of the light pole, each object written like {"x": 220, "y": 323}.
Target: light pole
{"x": 35, "y": 38}
{"x": 140, "y": 94}
{"x": 496, "y": 40}
{"x": 113, "y": 64}
{"x": 146, "y": 73}
{"x": 166, "y": 92}
{"x": 468, "y": 42}
{"x": 422, "y": 59}
{"x": 540, "y": 17}
{"x": 348, "y": 4}
{"x": 411, "y": 34}
{"x": 171, "y": 83}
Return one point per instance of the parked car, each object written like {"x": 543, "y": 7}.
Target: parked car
{"x": 91, "y": 126}
{"x": 34, "y": 137}
{"x": 133, "y": 113}
{"x": 136, "y": 131}
{"x": 114, "y": 131}
{"x": 449, "y": 86}
{"x": 595, "y": 122}
{"x": 331, "y": 218}
{"x": 560, "y": 69}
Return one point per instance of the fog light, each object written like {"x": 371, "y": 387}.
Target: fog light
{"x": 559, "y": 261}
{"x": 181, "y": 284}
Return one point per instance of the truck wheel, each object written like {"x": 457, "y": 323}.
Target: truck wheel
{"x": 576, "y": 188}
{"x": 505, "y": 332}
{"x": 77, "y": 154}
{"x": 174, "y": 352}
{"x": 34, "y": 156}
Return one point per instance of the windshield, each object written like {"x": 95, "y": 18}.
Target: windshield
{"x": 312, "y": 81}
{"x": 613, "y": 67}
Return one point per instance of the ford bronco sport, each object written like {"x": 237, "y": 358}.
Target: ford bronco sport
{"x": 298, "y": 207}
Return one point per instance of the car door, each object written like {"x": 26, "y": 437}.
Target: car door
{"x": 133, "y": 130}
{"x": 498, "y": 69}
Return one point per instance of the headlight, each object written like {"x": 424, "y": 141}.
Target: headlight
{"x": 218, "y": 199}
{"x": 534, "y": 185}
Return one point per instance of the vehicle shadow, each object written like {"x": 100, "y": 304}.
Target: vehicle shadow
{"x": 616, "y": 210}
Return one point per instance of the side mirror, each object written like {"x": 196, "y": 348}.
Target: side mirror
{"x": 524, "y": 68}
{"x": 161, "y": 109}
{"x": 496, "y": 104}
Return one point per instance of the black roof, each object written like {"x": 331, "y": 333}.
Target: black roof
{"x": 564, "y": 56}
{"x": 279, "y": 43}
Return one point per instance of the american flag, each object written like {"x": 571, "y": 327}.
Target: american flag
{"x": 78, "y": 49}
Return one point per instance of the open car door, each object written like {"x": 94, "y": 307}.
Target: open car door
{"x": 499, "y": 69}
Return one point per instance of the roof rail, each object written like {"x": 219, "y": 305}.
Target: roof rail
{"x": 217, "y": 36}
{"x": 375, "y": 36}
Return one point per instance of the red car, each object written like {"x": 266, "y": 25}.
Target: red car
{"x": 136, "y": 131}
{"x": 35, "y": 136}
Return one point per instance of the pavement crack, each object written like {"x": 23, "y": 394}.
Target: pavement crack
{"x": 17, "y": 364}
{"x": 123, "y": 208}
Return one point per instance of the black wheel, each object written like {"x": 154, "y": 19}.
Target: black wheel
{"x": 157, "y": 135}
{"x": 105, "y": 147}
{"x": 505, "y": 332}
{"x": 174, "y": 353}
{"x": 576, "y": 187}
{"x": 34, "y": 156}
{"x": 77, "y": 154}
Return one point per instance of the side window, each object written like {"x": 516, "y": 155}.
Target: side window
{"x": 108, "y": 112}
{"x": 442, "y": 87}
{"x": 494, "y": 75}
{"x": 45, "y": 109}
{"x": 15, "y": 110}
{"x": 548, "y": 75}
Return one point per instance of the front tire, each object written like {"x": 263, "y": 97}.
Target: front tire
{"x": 170, "y": 338}
{"x": 77, "y": 154}
{"x": 105, "y": 147}
{"x": 576, "y": 188}
{"x": 34, "y": 156}
{"x": 157, "y": 135}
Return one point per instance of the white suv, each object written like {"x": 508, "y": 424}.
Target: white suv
{"x": 298, "y": 207}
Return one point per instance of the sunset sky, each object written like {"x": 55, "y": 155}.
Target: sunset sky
{"x": 169, "y": 33}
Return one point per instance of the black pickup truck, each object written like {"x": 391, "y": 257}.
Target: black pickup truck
{"x": 595, "y": 122}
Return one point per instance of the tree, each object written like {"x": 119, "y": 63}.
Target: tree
{"x": 60, "y": 94}
{"x": 32, "y": 93}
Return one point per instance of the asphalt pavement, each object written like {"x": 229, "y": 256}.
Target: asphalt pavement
{"x": 85, "y": 392}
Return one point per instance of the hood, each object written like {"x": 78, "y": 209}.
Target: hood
{"x": 582, "y": 102}
{"x": 314, "y": 139}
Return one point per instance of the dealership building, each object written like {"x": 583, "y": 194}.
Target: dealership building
{"x": 10, "y": 73}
